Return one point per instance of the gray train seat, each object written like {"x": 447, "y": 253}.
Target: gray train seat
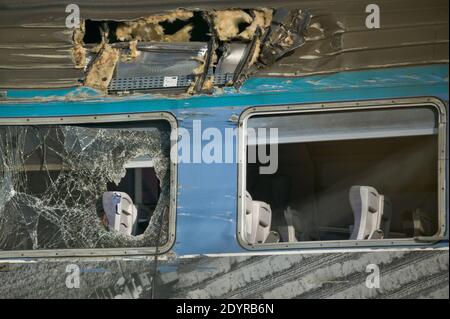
{"x": 257, "y": 222}
{"x": 120, "y": 212}
{"x": 371, "y": 212}
{"x": 288, "y": 234}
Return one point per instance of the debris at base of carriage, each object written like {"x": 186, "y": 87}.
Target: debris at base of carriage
{"x": 185, "y": 51}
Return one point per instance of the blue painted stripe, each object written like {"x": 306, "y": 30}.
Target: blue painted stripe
{"x": 429, "y": 80}
{"x": 207, "y": 205}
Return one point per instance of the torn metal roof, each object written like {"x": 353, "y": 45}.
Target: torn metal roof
{"x": 36, "y": 47}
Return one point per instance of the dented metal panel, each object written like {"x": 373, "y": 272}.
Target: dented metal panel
{"x": 35, "y": 45}
{"x": 405, "y": 275}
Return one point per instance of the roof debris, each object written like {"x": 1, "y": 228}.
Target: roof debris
{"x": 150, "y": 28}
{"x": 78, "y": 51}
{"x": 101, "y": 71}
{"x": 227, "y": 22}
{"x": 268, "y": 34}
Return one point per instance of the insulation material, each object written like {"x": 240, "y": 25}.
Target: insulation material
{"x": 78, "y": 51}
{"x": 199, "y": 72}
{"x": 52, "y": 177}
{"x": 132, "y": 54}
{"x": 208, "y": 85}
{"x": 183, "y": 35}
{"x": 79, "y": 56}
{"x": 101, "y": 71}
{"x": 139, "y": 30}
{"x": 149, "y": 28}
{"x": 262, "y": 20}
{"x": 226, "y": 23}
{"x": 256, "y": 53}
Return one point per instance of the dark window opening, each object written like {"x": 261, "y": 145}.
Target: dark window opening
{"x": 314, "y": 182}
{"x": 353, "y": 175}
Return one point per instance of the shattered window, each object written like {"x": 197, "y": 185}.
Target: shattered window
{"x": 91, "y": 186}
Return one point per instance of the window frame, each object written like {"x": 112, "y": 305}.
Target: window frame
{"x": 105, "y": 119}
{"x": 442, "y": 233}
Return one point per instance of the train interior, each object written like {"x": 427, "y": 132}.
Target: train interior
{"x": 348, "y": 189}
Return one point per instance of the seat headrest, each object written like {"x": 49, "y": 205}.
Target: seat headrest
{"x": 120, "y": 212}
{"x": 367, "y": 205}
{"x": 257, "y": 220}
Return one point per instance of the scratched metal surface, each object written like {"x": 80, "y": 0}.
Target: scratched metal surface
{"x": 35, "y": 46}
{"x": 402, "y": 275}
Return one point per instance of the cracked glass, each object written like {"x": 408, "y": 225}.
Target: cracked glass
{"x": 52, "y": 178}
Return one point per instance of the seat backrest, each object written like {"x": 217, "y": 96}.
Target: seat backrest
{"x": 290, "y": 229}
{"x": 368, "y": 207}
{"x": 257, "y": 220}
{"x": 120, "y": 212}
{"x": 386, "y": 218}
{"x": 248, "y": 218}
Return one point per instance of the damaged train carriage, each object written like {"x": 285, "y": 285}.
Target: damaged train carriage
{"x": 90, "y": 169}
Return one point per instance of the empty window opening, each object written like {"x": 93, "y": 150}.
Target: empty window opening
{"x": 141, "y": 184}
{"x": 333, "y": 185}
{"x": 317, "y": 188}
